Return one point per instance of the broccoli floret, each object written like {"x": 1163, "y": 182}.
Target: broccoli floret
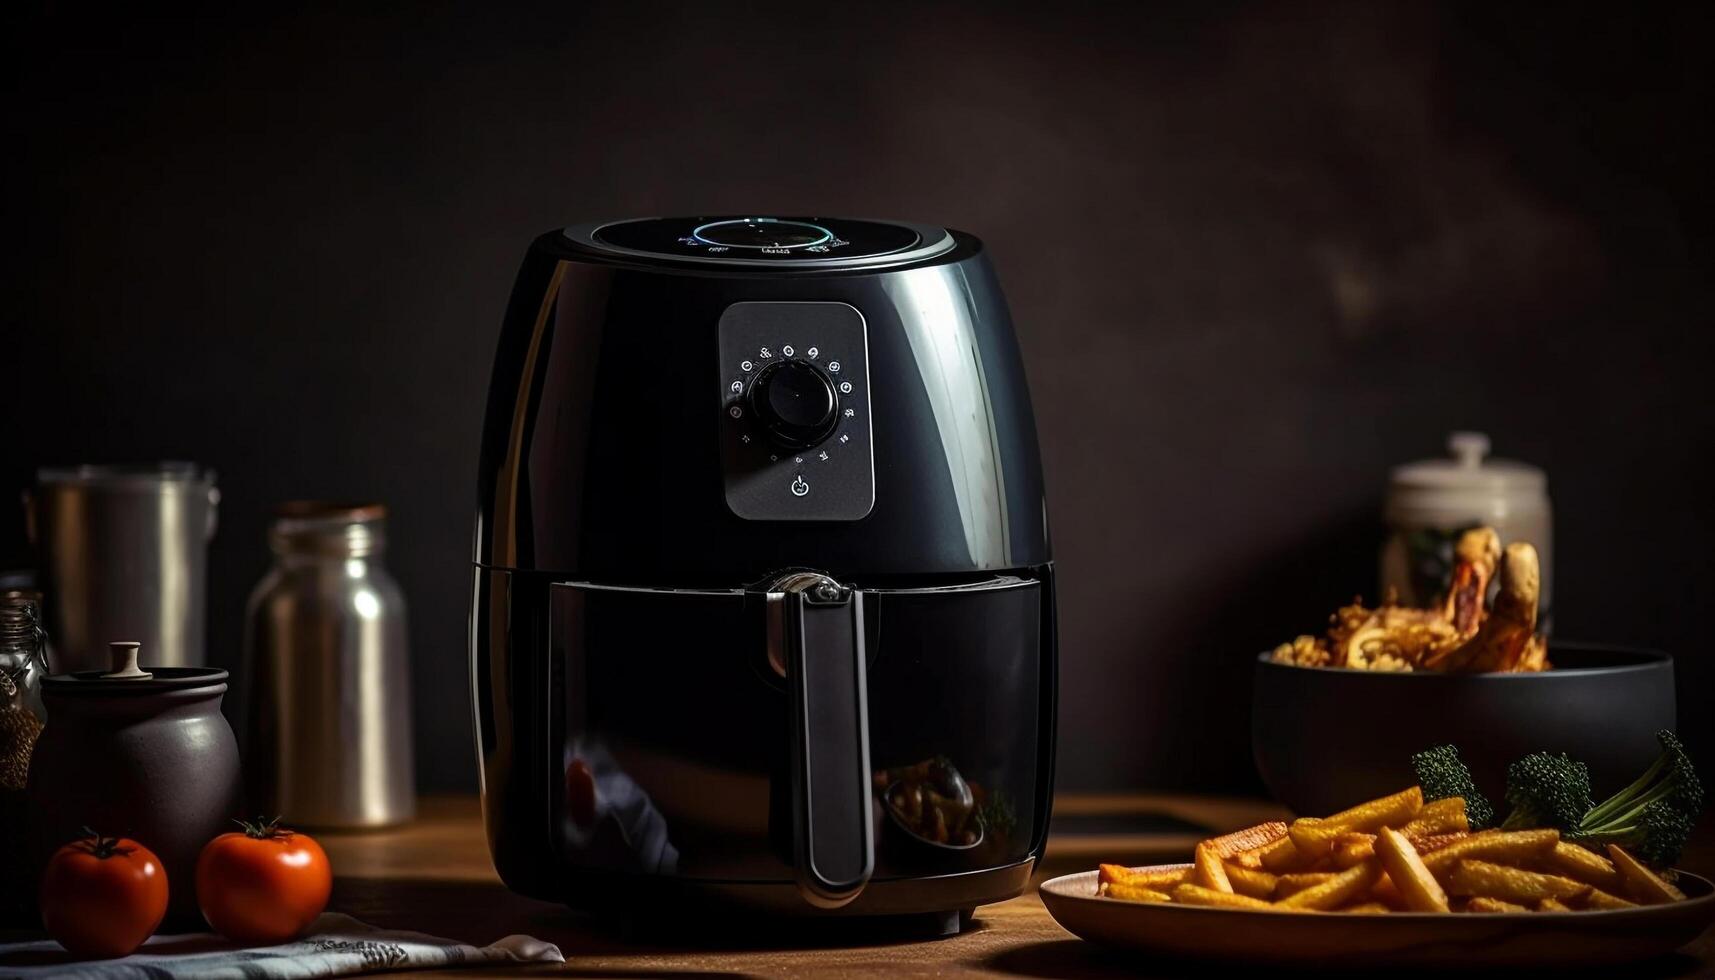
{"x": 1653, "y": 816}
{"x": 1547, "y": 790}
{"x": 1442, "y": 774}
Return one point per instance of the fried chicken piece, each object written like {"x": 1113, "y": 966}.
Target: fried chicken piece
{"x": 1346, "y": 621}
{"x": 1305, "y": 651}
{"x": 1503, "y": 640}
{"x": 1391, "y": 637}
{"x": 1477, "y": 553}
{"x": 1457, "y": 635}
{"x": 1535, "y": 656}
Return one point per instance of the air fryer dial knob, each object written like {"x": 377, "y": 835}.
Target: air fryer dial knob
{"x": 795, "y": 402}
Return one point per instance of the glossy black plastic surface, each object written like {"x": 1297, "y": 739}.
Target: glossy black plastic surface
{"x": 638, "y": 735}
{"x": 833, "y": 842}
{"x": 819, "y": 464}
{"x": 594, "y": 469}
{"x": 653, "y": 740}
{"x": 776, "y": 242}
{"x": 794, "y": 402}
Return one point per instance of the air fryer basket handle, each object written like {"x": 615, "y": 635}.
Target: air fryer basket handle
{"x": 832, "y": 837}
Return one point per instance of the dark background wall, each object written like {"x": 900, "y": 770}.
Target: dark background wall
{"x": 1257, "y": 254}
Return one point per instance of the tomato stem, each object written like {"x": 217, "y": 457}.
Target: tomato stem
{"x": 101, "y": 847}
{"x": 262, "y": 828}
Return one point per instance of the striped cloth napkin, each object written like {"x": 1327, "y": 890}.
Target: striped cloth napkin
{"x": 337, "y": 946}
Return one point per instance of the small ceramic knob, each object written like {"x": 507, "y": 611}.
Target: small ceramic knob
{"x": 123, "y": 659}
{"x": 1468, "y": 448}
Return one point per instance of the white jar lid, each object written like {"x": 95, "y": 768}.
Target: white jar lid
{"x": 1467, "y": 481}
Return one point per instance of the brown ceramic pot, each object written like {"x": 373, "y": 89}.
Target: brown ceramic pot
{"x": 149, "y": 758}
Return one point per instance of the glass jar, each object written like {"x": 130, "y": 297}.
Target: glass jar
{"x": 23, "y": 664}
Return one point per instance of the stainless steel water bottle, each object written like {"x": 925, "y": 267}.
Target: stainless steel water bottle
{"x": 328, "y": 705}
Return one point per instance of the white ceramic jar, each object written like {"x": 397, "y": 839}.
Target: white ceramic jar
{"x": 1431, "y": 502}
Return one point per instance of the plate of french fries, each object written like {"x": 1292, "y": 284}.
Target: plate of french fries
{"x": 1394, "y": 881}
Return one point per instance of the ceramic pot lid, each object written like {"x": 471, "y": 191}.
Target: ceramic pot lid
{"x": 1469, "y": 468}
{"x": 125, "y": 677}
{"x": 1467, "y": 486}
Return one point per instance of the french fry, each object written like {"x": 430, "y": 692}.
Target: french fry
{"x": 1387, "y": 811}
{"x": 1251, "y": 859}
{"x": 1107, "y": 874}
{"x": 1193, "y": 894}
{"x": 1313, "y": 838}
{"x": 1207, "y": 870}
{"x": 1514, "y": 847}
{"x": 1642, "y": 884}
{"x": 1483, "y": 903}
{"x": 1583, "y": 864}
{"x": 1292, "y": 884}
{"x": 1160, "y": 878}
{"x": 1487, "y": 880}
{"x": 1394, "y": 854}
{"x": 1282, "y": 857}
{"x": 1386, "y": 893}
{"x": 1367, "y": 908}
{"x": 1438, "y": 817}
{"x": 1164, "y": 877}
{"x": 1352, "y": 849}
{"x": 1250, "y": 839}
{"x": 1336, "y": 891}
{"x": 1128, "y": 891}
{"x": 1602, "y": 901}
{"x": 1435, "y": 842}
{"x": 1316, "y": 837}
{"x": 1417, "y": 888}
{"x": 1254, "y": 882}
{"x": 1447, "y": 808}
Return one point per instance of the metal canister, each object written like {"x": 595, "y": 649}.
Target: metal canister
{"x": 124, "y": 552}
{"x": 328, "y": 706}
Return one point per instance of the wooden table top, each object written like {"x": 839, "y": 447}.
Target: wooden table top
{"x": 435, "y": 876}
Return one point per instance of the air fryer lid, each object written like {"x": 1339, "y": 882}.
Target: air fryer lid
{"x": 801, "y": 242}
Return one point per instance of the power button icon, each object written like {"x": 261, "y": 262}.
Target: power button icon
{"x": 799, "y": 487}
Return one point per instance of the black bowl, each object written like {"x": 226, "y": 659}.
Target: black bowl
{"x": 1327, "y": 738}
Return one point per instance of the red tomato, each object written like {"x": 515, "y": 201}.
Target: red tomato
{"x": 263, "y": 886}
{"x": 102, "y": 896}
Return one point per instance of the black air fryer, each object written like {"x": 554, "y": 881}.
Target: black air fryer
{"x": 764, "y": 611}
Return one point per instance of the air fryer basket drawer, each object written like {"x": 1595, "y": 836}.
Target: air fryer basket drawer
{"x": 672, "y": 730}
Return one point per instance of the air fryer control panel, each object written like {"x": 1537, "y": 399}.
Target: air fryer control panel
{"x": 795, "y": 412}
